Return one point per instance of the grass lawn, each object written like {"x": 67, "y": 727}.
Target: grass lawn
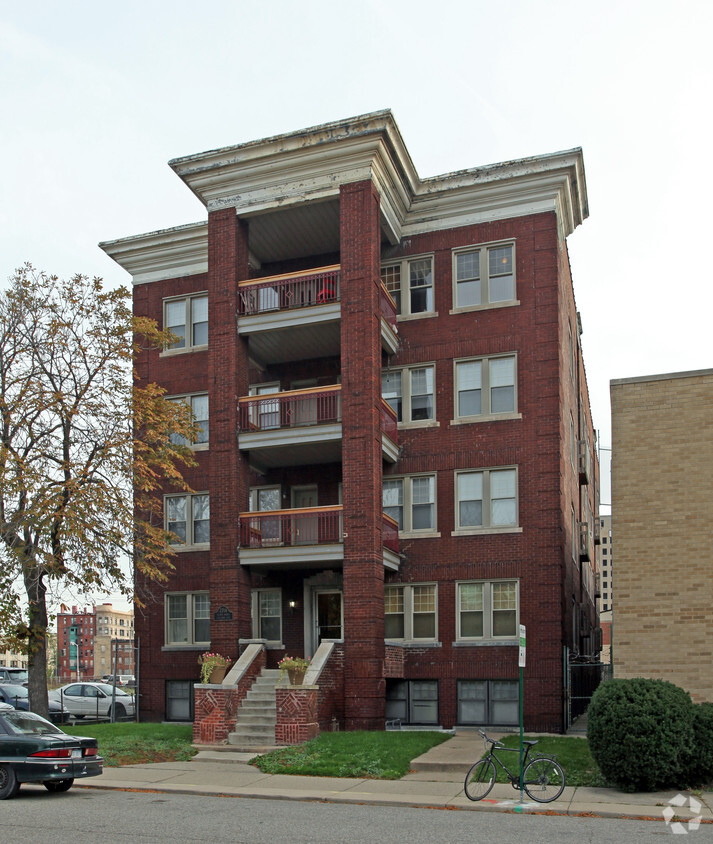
{"x": 377, "y": 755}
{"x": 129, "y": 743}
{"x": 571, "y": 752}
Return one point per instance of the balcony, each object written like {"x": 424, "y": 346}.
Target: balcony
{"x": 585, "y": 542}
{"x": 308, "y": 537}
{"x": 585, "y": 462}
{"x": 302, "y": 427}
{"x": 296, "y": 316}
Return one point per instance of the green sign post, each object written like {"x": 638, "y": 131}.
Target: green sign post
{"x": 521, "y": 663}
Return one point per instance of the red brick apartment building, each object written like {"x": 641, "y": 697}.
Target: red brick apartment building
{"x": 92, "y": 642}
{"x": 397, "y": 453}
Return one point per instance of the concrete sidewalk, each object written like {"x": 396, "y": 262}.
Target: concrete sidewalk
{"x": 436, "y": 781}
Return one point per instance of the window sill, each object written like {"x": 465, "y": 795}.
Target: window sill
{"x": 183, "y": 549}
{"x": 492, "y": 417}
{"x": 411, "y": 317}
{"x": 199, "y": 447}
{"x": 427, "y": 423}
{"x": 485, "y": 643}
{"x": 168, "y": 353}
{"x": 419, "y": 534}
{"x": 481, "y": 531}
{"x": 413, "y": 643}
{"x": 183, "y": 646}
{"x": 487, "y": 307}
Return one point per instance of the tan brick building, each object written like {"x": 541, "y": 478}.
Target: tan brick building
{"x": 662, "y": 509}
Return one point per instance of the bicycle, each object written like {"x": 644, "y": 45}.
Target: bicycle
{"x": 543, "y": 778}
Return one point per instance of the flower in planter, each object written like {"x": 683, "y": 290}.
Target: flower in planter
{"x": 292, "y": 663}
{"x": 208, "y": 661}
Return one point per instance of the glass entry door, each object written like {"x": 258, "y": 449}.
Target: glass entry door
{"x": 328, "y": 615}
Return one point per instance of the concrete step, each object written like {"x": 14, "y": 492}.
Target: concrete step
{"x": 257, "y": 719}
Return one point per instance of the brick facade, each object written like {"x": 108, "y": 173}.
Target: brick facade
{"x": 359, "y": 218}
{"x": 662, "y": 511}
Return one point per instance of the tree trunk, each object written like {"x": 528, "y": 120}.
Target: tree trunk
{"x": 37, "y": 642}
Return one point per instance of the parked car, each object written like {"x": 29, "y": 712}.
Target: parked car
{"x": 5, "y": 706}
{"x": 18, "y": 696}
{"x": 94, "y": 700}
{"x": 18, "y": 676}
{"x": 33, "y": 750}
{"x": 127, "y": 679}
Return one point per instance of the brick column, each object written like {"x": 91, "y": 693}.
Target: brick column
{"x": 227, "y": 380}
{"x": 364, "y": 683}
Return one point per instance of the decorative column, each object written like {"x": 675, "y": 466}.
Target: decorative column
{"x": 364, "y": 684}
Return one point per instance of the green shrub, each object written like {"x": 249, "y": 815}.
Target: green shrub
{"x": 641, "y": 733}
{"x": 700, "y": 763}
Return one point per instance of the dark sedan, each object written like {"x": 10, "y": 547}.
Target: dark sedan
{"x": 34, "y": 750}
{"x": 18, "y": 697}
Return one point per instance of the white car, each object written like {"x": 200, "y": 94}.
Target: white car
{"x": 93, "y": 700}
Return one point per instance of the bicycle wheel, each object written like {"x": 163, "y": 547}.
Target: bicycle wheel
{"x": 479, "y": 780}
{"x": 544, "y": 779}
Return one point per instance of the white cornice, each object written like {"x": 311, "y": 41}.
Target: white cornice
{"x": 311, "y": 165}
{"x": 168, "y": 253}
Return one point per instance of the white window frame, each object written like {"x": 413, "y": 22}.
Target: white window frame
{"x": 487, "y": 525}
{"x": 403, "y": 300}
{"x": 486, "y": 295}
{"x": 256, "y": 617}
{"x": 177, "y": 439}
{"x": 189, "y": 323}
{"x": 410, "y": 596}
{"x": 407, "y": 395}
{"x": 189, "y": 544}
{"x": 487, "y": 609}
{"x": 191, "y": 641}
{"x": 408, "y": 504}
{"x": 485, "y": 390}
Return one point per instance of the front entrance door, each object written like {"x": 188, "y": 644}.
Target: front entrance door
{"x": 328, "y": 615}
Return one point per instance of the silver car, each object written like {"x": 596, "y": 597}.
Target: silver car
{"x": 93, "y": 700}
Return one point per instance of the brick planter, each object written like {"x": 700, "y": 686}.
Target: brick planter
{"x": 297, "y": 708}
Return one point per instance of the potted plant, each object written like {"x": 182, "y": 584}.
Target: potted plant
{"x": 296, "y": 668}
{"x": 214, "y": 667}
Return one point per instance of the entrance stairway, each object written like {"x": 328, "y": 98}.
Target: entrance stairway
{"x": 257, "y": 715}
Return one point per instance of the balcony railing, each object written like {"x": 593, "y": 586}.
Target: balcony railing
{"x": 303, "y": 526}
{"x": 290, "y": 409}
{"x": 390, "y": 533}
{"x": 389, "y": 424}
{"x": 291, "y": 290}
{"x": 388, "y": 309}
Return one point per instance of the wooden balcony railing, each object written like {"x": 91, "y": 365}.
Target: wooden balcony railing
{"x": 290, "y": 409}
{"x": 290, "y": 290}
{"x": 388, "y": 308}
{"x": 389, "y": 423}
{"x": 303, "y": 526}
{"x": 390, "y": 533}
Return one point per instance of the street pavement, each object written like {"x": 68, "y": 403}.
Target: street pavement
{"x": 435, "y": 781}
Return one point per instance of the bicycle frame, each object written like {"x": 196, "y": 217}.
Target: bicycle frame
{"x": 513, "y": 777}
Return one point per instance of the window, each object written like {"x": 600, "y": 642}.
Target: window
{"x": 488, "y": 702}
{"x": 179, "y": 700}
{"x": 188, "y": 618}
{"x": 199, "y": 407}
{"x": 187, "y": 318}
{"x": 486, "y": 499}
{"x": 485, "y": 386}
{"x": 410, "y": 612}
{"x": 483, "y": 276}
{"x": 487, "y": 610}
{"x": 410, "y": 501}
{"x": 267, "y": 614}
{"x": 188, "y": 517}
{"x": 410, "y": 283}
{"x": 410, "y": 393}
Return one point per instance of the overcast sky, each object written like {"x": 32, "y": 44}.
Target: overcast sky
{"x": 95, "y": 98}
